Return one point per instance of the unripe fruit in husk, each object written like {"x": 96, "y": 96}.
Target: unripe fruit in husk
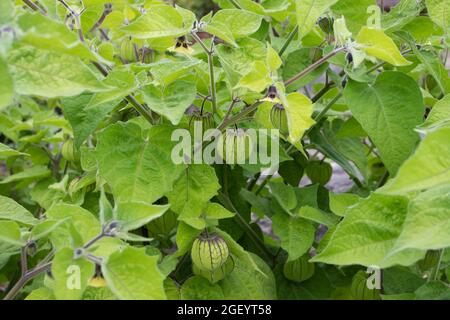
{"x": 127, "y": 50}
{"x": 429, "y": 261}
{"x": 216, "y": 275}
{"x": 326, "y": 24}
{"x": 279, "y": 119}
{"x": 69, "y": 152}
{"x": 319, "y": 172}
{"x": 209, "y": 252}
{"x": 299, "y": 270}
{"x": 359, "y": 289}
{"x": 163, "y": 225}
{"x": 206, "y": 120}
{"x": 235, "y": 146}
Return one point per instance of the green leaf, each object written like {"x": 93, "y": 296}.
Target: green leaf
{"x": 298, "y": 111}
{"x": 439, "y": 12}
{"x": 398, "y": 280}
{"x": 307, "y": 13}
{"x": 137, "y": 168}
{"x": 44, "y": 228}
{"x": 48, "y": 74}
{"x": 257, "y": 79}
{"x": 343, "y": 151}
{"x": 238, "y": 23}
{"x": 185, "y": 236}
{"x": 121, "y": 81}
{"x": 132, "y": 275}
{"x": 192, "y": 191}
{"x": 6, "y": 12}
{"x": 427, "y": 225}
{"x": 377, "y": 44}
{"x": 216, "y": 211}
{"x": 46, "y": 33}
{"x": 83, "y": 116}
{"x": 11, "y": 210}
{"x": 253, "y": 280}
{"x": 296, "y": 234}
{"x": 339, "y": 203}
{"x": 6, "y": 152}
{"x": 355, "y": 12}
{"x": 431, "y": 62}
{"x": 388, "y": 111}
{"x": 426, "y": 168}
{"x": 160, "y": 21}
{"x": 70, "y": 275}
{"x": 32, "y": 173}
{"x": 284, "y": 194}
{"x": 166, "y": 71}
{"x": 400, "y": 15}
{"x": 10, "y": 233}
{"x": 368, "y": 233}
{"x": 199, "y": 288}
{"x": 318, "y": 216}
{"x": 273, "y": 59}
{"x": 7, "y": 88}
{"x": 237, "y": 62}
{"x": 439, "y": 115}
{"x": 40, "y": 294}
{"x": 171, "y": 100}
{"x": 433, "y": 290}
{"x": 78, "y": 219}
{"x": 133, "y": 215}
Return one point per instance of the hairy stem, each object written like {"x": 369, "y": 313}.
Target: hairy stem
{"x": 107, "y": 10}
{"x": 29, "y": 275}
{"x": 313, "y": 66}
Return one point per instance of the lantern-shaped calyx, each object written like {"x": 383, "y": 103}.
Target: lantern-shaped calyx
{"x": 209, "y": 252}
{"x": 279, "y": 119}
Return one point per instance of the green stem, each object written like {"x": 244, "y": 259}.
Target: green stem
{"x": 244, "y": 225}
{"x": 327, "y": 107}
{"x": 263, "y": 184}
{"x": 209, "y": 53}
{"x": 235, "y": 4}
{"x": 438, "y": 266}
{"x": 288, "y": 41}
